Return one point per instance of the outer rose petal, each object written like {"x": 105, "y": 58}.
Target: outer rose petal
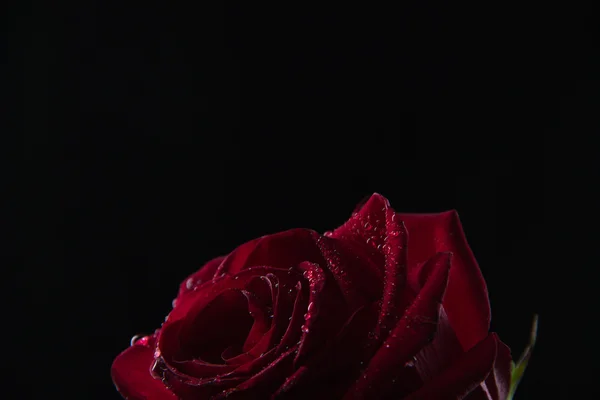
{"x": 202, "y": 275}
{"x": 462, "y": 377}
{"x": 466, "y": 300}
{"x": 279, "y": 250}
{"x": 498, "y": 382}
{"x": 131, "y": 374}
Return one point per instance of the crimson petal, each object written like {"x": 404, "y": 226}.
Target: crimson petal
{"x": 131, "y": 374}
{"x": 325, "y": 313}
{"x": 441, "y": 352}
{"x": 280, "y": 250}
{"x": 498, "y": 382}
{"x": 394, "y": 249}
{"x": 199, "y": 277}
{"x": 464, "y": 376}
{"x": 411, "y": 333}
{"x": 331, "y": 371}
{"x": 358, "y": 277}
{"x": 466, "y": 299}
{"x": 264, "y": 382}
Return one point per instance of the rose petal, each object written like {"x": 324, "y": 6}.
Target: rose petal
{"x": 262, "y": 320}
{"x": 223, "y": 322}
{"x": 367, "y": 225}
{"x": 296, "y": 320}
{"x": 266, "y": 381}
{"x": 328, "y": 374}
{"x": 462, "y": 377}
{"x": 197, "y": 299}
{"x": 280, "y": 250}
{"x": 498, "y": 382}
{"x": 395, "y": 271}
{"x": 466, "y": 300}
{"x": 441, "y": 352}
{"x": 411, "y": 333}
{"x": 131, "y": 375}
{"x": 204, "y": 274}
{"x": 357, "y": 276}
{"x": 325, "y": 314}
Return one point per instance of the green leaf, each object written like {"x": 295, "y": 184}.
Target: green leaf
{"x": 518, "y": 369}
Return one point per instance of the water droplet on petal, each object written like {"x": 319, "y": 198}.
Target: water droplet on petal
{"x": 157, "y": 353}
{"x": 328, "y": 234}
{"x": 387, "y": 249}
{"x": 174, "y": 303}
{"x": 311, "y": 305}
{"x": 189, "y": 284}
{"x": 140, "y": 340}
{"x": 368, "y": 226}
{"x": 394, "y": 233}
{"x": 305, "y": 329}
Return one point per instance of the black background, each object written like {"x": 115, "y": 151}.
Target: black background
{"x": 158, "y": 136}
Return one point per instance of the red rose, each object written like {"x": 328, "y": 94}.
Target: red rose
{"x": 386, "y": 306}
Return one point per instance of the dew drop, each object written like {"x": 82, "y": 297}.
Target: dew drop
{"x": 174, "y": 303}
{"x": 189, "y": 284}
{"x": 140, "y": 340}
{"x": 311, "y": 305}
{"x": 368, "y": 226}
{"x": 394, "y": 233}
{"x": 304, "y": 329}
{"x": 387, "y": 345}
{"x": 328, "y": 234}
{"x": 157, "y": 353}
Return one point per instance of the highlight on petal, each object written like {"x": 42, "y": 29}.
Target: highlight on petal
{"x": 466, "y": 300}
{"x": 131, "y": 374}
{"x": 497, "y": 383}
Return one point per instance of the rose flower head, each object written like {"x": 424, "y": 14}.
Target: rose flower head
{"x": 388, "y": 305}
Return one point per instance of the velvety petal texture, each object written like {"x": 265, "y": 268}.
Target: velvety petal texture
{"x": 388, "y": 305}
